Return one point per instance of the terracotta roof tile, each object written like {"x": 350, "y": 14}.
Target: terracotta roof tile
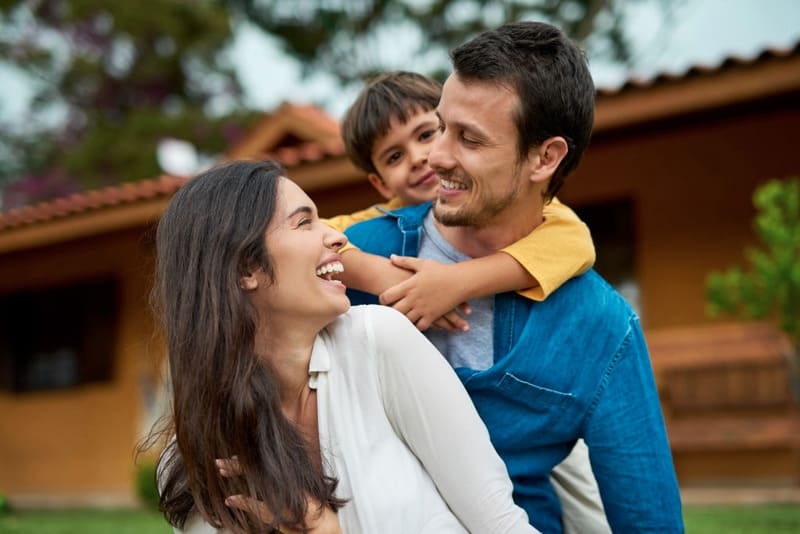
{"x": 90, "y": 200}
{"x": 150, "y": 188}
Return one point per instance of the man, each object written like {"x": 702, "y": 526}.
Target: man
{"x": 515, "y": 116}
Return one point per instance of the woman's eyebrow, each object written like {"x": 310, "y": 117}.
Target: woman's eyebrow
{"x": 302, "y": 209}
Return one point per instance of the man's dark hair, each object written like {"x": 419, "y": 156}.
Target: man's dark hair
{"x": 397, "y": 94}
{"x": 550, "y": 75}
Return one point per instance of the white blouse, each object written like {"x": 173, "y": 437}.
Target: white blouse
{"x": 400, "y": 433}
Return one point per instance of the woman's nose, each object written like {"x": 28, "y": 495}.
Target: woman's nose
{"x": 335, "y": 240}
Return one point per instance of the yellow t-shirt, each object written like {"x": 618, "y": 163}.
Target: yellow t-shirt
{"x": 558, "y": 249}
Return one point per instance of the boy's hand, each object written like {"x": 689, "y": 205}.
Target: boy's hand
{"x": 431, "y": 297}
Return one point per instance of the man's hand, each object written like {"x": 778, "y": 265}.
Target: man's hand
{"x": 431, "y": 297}
{"x": 321, "y": 520}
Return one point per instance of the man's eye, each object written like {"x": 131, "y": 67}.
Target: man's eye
{"x": 468, "y": 140}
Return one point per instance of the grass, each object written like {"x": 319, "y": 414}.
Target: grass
{"x": 84, "y": 522}
{"x": 742, "y": 519}
{"x": 751, "y": 519}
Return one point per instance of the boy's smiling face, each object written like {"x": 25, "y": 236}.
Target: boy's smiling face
{"x": 401, "y": 158}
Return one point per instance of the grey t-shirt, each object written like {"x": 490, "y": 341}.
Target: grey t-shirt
{"x": 472, "y": 349}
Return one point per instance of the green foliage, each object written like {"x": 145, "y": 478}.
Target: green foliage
{"x": 770, "y": 286}
{"x": 146, "y": 488}
{"x": 118, "y": 76}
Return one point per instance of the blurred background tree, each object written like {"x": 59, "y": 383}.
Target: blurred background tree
{"x": 352, "y": 39}
{"x": 770, "y": 286}
{"x": 111, "y": 79}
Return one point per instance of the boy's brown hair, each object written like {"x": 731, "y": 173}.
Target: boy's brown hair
{"x": 393, "y": 94}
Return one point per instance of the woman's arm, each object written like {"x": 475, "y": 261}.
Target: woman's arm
{"x": 431, "y": 411}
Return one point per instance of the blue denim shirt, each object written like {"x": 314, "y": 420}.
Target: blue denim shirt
{"x": 573, "y": 366}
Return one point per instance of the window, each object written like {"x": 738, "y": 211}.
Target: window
{"x": 58, "y": 337}
{"x": 612, "y": 226}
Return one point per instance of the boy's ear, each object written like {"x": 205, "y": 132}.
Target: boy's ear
{"x": 378, "y": 183}
{"x": 546, "y": 158}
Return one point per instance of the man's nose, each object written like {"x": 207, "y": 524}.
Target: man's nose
{"x": 440, "y": 155}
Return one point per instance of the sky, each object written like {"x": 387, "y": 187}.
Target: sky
{"x": 703, "y": 32}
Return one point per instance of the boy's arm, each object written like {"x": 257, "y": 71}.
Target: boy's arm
{"x": 375, "y": 274}
{"x": 558, "y": 249}
{"x": 370, "y": 273}
{"x": 437, "y": 288}
{"x": 343, "y": 222}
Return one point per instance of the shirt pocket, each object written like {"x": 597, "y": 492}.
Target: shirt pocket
{"x": 551, "y": 404}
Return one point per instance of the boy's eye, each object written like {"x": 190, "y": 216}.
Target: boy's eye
{"x": 393, "y": 157}
{"x": 428, "y": 134}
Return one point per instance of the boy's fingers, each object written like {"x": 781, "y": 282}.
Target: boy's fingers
{"x": 458, "y": 322}
{"x": 405, "y": 262}
{"x": 422, "y": 324}
{"x": 390, "y": 296}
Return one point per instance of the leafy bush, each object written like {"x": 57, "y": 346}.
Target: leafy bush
{"x": 146, "y": 488}
{"x": 770, "y": 288}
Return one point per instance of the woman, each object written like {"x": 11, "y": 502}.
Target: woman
{"x": 338, "y": 419}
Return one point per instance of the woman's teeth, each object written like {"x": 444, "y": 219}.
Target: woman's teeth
{"x": 328, "y": 269}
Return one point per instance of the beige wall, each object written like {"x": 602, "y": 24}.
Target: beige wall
{"x": 77, "y": 444}
{"x": 691, "y": 182}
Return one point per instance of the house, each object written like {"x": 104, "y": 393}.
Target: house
{"x": 666, "y": 188}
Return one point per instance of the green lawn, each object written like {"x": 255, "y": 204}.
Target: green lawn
{"x": 84, "y": 522}
{"x": 758, "y": 519}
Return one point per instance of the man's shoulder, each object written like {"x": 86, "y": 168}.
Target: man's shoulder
{"x": 590, "y": 300}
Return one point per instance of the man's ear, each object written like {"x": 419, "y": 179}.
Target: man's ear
{"x": 378, "y": 183}
{"x": 546, "y": 158}
{"x": 248, "y": 282}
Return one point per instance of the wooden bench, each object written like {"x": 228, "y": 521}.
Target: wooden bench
{"x": 727, "y": 402}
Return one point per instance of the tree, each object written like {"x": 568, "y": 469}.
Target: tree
{"x": 348, "y": 38}
{"x": 770, "y": 287}
{"x": 111, "y": 79}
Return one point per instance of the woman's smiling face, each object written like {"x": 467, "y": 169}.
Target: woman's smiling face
{"x": 304, "y": 256}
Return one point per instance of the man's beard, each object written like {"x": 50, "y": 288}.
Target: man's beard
{"x": 478, "y": 213}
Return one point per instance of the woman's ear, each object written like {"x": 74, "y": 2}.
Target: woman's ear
{"x": 248, "y": 282}
{"x": 547, "y": 157}
{"x": 378, "y": 183}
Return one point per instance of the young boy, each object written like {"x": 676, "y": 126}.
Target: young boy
{"x": 387, "y": 133}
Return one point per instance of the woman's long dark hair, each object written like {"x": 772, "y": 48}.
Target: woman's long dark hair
{"x": 225, "y": 399}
